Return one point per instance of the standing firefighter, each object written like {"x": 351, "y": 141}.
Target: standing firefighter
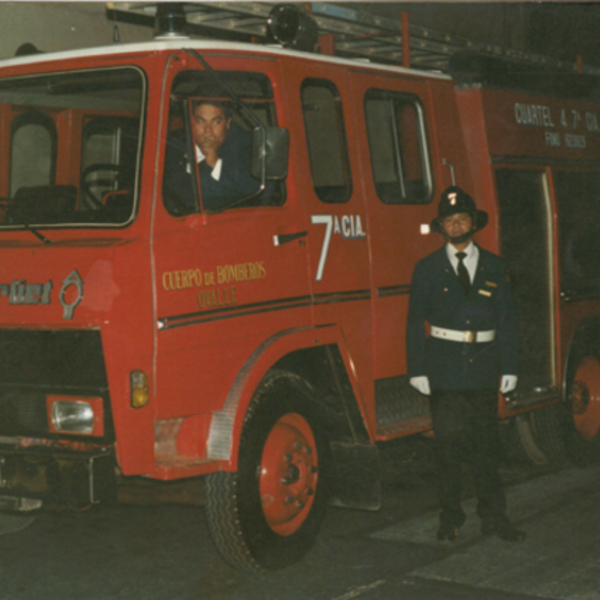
{"x": 462, "y": 291}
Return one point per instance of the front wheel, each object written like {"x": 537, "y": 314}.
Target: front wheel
{"x": 267, "y": 514}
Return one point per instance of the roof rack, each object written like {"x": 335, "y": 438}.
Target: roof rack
{"x": 352, "y": 33}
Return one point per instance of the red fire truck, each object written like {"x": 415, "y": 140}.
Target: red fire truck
{"x": 258, "y": 339}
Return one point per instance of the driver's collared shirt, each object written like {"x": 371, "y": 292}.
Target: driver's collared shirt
{"x": 470, "y": 260}
{"x": 216, "y": 172}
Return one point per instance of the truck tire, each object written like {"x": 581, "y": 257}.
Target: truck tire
{"x": 518, "y": 442}
{"x": 548, "y": 425}
{"x": 267, "y": 515}
{"x": 582, "y": 404}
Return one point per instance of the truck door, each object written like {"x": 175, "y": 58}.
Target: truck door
{"x": 391, "y": 121}
{"x": 335, "y": 210}
{"x": 526, "y": 239}
{"x": 229, "y": 272}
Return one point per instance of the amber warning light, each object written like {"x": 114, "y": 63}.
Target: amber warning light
{"x": 139, "y": 389}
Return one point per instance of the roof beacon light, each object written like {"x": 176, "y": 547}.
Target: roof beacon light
{"x": 170, "y": 21}
{"x": 292, "y": 28}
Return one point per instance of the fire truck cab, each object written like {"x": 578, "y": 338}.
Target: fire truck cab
{"x": 168, "y": 318}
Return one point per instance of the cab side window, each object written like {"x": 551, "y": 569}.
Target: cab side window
{"x": 398, "y": 147}
{"x": 33, "y": 151}
{"x": 326, "y": 139}
{"x": 208, "y": 153}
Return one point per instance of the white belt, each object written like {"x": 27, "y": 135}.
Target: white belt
{"x": 467, "y": 337}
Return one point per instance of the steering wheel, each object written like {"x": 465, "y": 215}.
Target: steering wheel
{"x": 86, "y": 186}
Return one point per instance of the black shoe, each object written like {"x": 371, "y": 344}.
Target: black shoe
{"x": 505, "y": 531}
{"x": 447, "y": 531}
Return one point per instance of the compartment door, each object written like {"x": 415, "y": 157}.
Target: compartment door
{"x": 526, "y": 240}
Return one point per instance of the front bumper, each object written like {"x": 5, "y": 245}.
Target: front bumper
{"x": 31, "y": 476}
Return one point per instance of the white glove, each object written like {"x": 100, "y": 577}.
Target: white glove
{"x": 421, "y": 383}
{"x": 508, "y": 383}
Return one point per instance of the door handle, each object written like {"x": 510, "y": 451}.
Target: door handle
{"x": 284, "y": 238}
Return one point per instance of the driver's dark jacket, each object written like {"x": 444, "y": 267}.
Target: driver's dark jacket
{"x": 437, "y": 297}
{"x": 235, "y": 182}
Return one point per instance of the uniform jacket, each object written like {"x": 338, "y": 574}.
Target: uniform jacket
{"x": 436, "y": 297}
{"x": 235, "y": 182}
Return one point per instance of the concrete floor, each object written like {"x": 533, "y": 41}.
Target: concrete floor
{"x": 152, "y": 550}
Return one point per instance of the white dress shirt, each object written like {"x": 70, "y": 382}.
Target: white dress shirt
{"x": 470, "y": 261}
{"x": 216, "y": 172}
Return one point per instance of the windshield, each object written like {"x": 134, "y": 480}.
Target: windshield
{"x": 75, "y": 144}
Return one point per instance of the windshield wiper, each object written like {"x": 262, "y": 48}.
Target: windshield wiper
{"x": 35, "y": 232}
{"x": 27, "y": 226}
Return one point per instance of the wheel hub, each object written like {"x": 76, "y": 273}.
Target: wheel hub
{"x": 289, "y": 474}
{"x": 580, "y": 397}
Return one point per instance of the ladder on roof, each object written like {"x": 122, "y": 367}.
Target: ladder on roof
{"x": 355, "y": 34}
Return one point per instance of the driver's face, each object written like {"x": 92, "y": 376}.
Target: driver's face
{"x": 210, "y": 126}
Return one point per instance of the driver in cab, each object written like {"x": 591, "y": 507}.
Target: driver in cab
{"x": 223, "y": 154}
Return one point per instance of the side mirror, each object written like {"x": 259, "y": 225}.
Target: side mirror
{"x": 272, "y": 149}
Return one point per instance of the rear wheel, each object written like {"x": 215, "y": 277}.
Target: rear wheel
{"x": 267, "y": 514}
{"x": 583, "y": 407}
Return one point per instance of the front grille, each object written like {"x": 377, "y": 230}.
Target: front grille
{"x": 23, "y": 414}
{"x": 34, "y": 363}
{"x": 65, "y": 359}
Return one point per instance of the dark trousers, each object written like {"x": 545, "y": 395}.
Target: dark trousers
{"x": 465, "y": 423}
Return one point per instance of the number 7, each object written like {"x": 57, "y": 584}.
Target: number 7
{"x": 328, "y": 221}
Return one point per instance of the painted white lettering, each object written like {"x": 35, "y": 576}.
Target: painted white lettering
{"x": 552, "y": 139}
{"x": 591, "y": 122}
{"x": 328, "y": 221}
{"x": 533, "y": 115}
{"x": 336, "y": 225}
{"x": 563, "y": 118}
{"x": 359, "y": 230}
{"x": 575, "y": 141}
{"x": 346, "y": 228}
{"x": 33, "y": 293}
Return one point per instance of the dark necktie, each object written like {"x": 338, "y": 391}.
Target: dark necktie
{"x": 463, "y": 274}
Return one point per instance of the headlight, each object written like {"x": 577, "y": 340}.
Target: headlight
{"x": 78, "y": 416}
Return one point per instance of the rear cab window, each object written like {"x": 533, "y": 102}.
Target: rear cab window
{"x": 326, "y": 139}
{"x": 398, "y": 147}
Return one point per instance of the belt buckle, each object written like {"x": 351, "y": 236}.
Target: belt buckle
{"x": 469, "y": 337}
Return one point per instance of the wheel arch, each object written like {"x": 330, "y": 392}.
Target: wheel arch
{"x": 318, "y": 355}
